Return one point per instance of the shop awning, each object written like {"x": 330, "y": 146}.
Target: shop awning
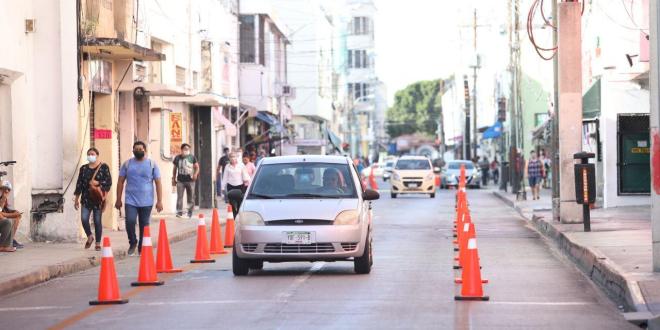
{"x": 272, "y": 121}
{"x": 117, "y": 49}
{"x": 334, "y": 140}
{"x": 591, "y": 102}
{"x": 229, "y": 127}
{"x": 493, "y": 132}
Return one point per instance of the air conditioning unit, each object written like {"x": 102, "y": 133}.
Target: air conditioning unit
{"x": 288, "y": 91}
{"x": 139, "y": 72}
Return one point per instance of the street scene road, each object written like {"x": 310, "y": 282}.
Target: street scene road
{"x": 410, "y": 286}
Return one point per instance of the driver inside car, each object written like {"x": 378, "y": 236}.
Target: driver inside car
{"x": 331, "y": 181}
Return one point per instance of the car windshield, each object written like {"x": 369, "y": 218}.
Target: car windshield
{"x": 389, "y": 164}
{"x": 413, "y": 164}
{"x": 302, "y": 180}
{"x": 457, "y": 166}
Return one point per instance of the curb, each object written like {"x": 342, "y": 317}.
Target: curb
{"x": 46, "y": 273}
{"x": 593, "y": 264}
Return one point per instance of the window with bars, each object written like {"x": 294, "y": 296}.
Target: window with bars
{"x": 358, "y": 91}
{"x": 180, "y": 76}
{"x": 361, "y": 25}
{"x": 358, "y": 59}
{"x": 248, "y": 41}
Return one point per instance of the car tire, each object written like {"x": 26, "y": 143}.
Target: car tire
{"x": 363, "y": 263}
{"x": 393, "y": 195}
{"x": 432, "y": 195}
{"x": 240, "y": 267}
{"x": 256, "y": 264}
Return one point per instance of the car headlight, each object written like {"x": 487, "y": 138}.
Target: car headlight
{"x": 348, "y": 217}
{"x": 430, "y": 176}
{"x": 395, "y": 176}
{"x": 250, "y": 219}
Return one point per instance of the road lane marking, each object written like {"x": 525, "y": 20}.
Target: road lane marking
{"x": 34, "y": 308}
{"x": 542, "y": 303}
{"x": 94, "y": 309}
{"x": 298, "y": 281}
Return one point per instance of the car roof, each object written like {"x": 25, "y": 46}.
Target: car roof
{"x": 305, "y": 158}
{"x": 460, "y": 161}
{"x": 413, "y": 157}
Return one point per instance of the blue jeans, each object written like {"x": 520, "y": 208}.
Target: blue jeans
{"x": 134, "y": 213}
{"x": 85, "y": 213}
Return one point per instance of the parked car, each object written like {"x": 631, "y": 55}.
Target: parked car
{"x": 413, "y": 175}
{"x": 388, "y": 168}
{"x": 452, "y": 171}
{"x": 303, "y": 208}
{"x": 378, "y": 170}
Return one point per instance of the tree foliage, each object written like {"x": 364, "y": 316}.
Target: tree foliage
{"x": 416, "y": 109}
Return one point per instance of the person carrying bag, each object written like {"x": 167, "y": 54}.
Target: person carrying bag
{"x": 94, "y": 183}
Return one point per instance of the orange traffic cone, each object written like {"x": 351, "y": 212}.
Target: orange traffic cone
{"x": 202, "y": 254}
{"x": 461, "y": 179}
{"x": 372, "y": 180}
{"x": 471, "y": 288}
{"x": 108, "y": 285}
{"x": 229, "y": 227}
{"x": 163, "y": 256}
{"x": 465, "y": 218}
{"x": 216, "y": 235}
{"x": 147, "y": 274}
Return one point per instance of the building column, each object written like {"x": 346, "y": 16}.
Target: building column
{"x": 570, "y": 105}
{"x": 654, "y": 77}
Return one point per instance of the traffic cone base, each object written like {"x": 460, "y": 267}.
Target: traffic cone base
{"x": 109, "y": 302}
{"x": 203, "y": 261}
{"x": 460, "y": 281}
{"x": 157, "y": 283}
{"x": 173, "y": 270}
{"x": 463, "y": 298}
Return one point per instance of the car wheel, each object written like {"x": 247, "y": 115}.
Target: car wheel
{"x": 256, "y": 264}
{"x": 432, "y": 195}
{"x": 240, "y": 267}
{"x": 393, "y": 195}
{"x": 362, "y": 264}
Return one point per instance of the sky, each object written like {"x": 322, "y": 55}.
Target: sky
{"x": 422, "y": 39}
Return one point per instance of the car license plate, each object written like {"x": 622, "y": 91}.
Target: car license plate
{"x": 298, "y": 237}
{"x": 412, "y": 185}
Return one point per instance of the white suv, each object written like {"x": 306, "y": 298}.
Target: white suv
{"x": 413, "y": 175}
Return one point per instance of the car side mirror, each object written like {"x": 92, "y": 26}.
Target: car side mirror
{"x": 235, "y": 197}
{"x": 370, "y": 195}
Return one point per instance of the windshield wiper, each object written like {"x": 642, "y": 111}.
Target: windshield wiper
{"x": 307, "y": 195}
{"x": 260, "y": 196}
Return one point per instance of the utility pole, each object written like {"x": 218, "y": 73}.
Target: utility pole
{"x": 514, "y": 170}
{"x": 569, "y": 53}
{"x": 441, "y": 120}
{"x": 654, "y": 28}
{"x": 475, "y": 66}
{"x": 466, "y": 134}
{"x": 554, "y": 143}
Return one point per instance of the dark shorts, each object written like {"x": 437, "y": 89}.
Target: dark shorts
{"x": 534, "y": 180}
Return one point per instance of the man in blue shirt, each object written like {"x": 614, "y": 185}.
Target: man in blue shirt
{"x": 140, "y": 174}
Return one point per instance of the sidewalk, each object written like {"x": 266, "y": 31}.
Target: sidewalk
{"x": 616, "y": 254}
{"x": 40, "y": 262}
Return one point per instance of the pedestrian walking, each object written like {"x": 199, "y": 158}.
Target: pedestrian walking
{"x": 495, "y": 170}
{"x": 184, "y": 176}
{"x": 484, "y": 165}
{"x": 534, "y": 174}
{"x": 235, "y": 175}
{"x": 222, "y": 162}
{"x": 94, "y": 182}
{"x": 249, "y": 167}
{"x": 139, "y": 174}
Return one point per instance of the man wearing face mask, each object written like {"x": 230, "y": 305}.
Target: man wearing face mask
{"x": 140, "y": 175}
{"x": 184, "y": 176}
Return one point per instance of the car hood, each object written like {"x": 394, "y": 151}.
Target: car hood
{"x": 413, "y": 173}
{"x": 288, "y": 209}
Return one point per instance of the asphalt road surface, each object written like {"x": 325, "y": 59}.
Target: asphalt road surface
{"x": 410, "y": 286}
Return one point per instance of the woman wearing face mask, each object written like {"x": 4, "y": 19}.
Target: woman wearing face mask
{"x": 97, "y": 174}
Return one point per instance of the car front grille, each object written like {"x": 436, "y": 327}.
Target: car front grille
{"x": 299, "y": 222}
{"x": 249, "y": 247}
{"x": 413, "y": 178}
{"x": 299, "y": 248}
{"x": 349, "y": 246}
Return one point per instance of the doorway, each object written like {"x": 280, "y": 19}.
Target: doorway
{"x": 634, "y": 170}
{"x": 202, "y": 128}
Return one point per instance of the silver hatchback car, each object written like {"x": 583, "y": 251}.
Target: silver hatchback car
{"x": 303, "y": 208}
